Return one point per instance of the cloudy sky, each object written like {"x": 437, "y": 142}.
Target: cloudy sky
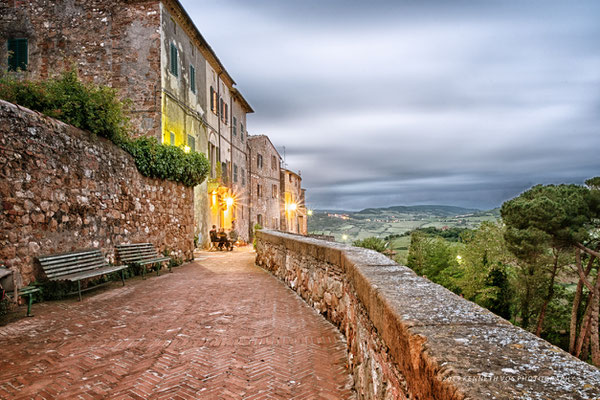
{"x": 382, "y": 103}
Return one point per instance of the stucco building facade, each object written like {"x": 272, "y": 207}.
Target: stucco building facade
{"x": 293, "y": 203}
{"x": 265, "y": 190}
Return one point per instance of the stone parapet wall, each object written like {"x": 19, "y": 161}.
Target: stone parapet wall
{"x": 63, "y": 189}
{"x": 409, "y": 338}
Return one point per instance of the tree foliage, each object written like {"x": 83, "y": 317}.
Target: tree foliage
{"x": 167, "y": 162}
{"x": 544, "y": 222}
{"x": 561, "y": 213}
{"x": 373, "y": 243}
{"x": 86, "y": 106}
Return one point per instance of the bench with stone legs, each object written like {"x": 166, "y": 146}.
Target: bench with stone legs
{"x": 77, "y": 266}
{"x": 141, "y": 254}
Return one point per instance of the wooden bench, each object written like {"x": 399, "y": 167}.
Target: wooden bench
{"x": 141, "y": 254}
{"x": 27, "y": 291}
{"x": 78, "y": 265}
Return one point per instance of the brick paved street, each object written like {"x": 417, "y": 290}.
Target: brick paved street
{"x": 218, "y": 328}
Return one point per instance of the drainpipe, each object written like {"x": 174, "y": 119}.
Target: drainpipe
{"x": 231, "y": 140}
{"x": 219, "y": 115}
{"x": 249, "y": 181}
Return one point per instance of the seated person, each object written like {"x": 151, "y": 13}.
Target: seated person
{"x": 223, "y": 242}
{"x": 233, "y": 235}
{"x": 214, "y": 238}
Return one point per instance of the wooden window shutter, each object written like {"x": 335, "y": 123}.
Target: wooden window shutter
{"x": 174, "y": 61}
{"x": 17, "y": 54}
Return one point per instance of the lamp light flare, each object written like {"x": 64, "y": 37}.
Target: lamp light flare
{"x": 229, "y": 201}
{"x": 187, "y": 149}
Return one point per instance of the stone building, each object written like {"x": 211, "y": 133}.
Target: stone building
{"x": 265, "y": 180}
{"x": 293, "y": 203}
{"x": 152, "y": 52}
{"x": 227, "y": 151}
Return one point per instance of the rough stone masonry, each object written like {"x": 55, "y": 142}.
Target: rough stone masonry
{"x": 409, "y": 338}
{"x": 63, "y": 189}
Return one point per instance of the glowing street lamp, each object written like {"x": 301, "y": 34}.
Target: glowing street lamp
{"x": 229, "y": 201}
{"x": 309, "y": 212}
{"x": 293, "y": 207}
{"x": 187, "y": 149}
{"x": 344, "y": 237}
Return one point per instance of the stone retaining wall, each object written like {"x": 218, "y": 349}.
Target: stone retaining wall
{"x": 409, "y": 338}
{"x": 63, "y": 189}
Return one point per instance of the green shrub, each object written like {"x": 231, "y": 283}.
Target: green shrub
{"x": 98, "y": 110}
{"x": 56, "y": 290}
{"x": 373, "y": 243}
{"x": 167, "y": 162}
{"x": 83, "y": 105}
{"x": 257, "y": 227}
{"x": 4, "y": 306}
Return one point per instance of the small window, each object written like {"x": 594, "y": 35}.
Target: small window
{"x": 221, "y": 107}
{"x": 234, "y": 126}
{"x": 224, "y": 173}
{"x": 224, "y": 112}
{"x": 259, "y": 219}
{"x": 242, "y": 132}
{"x": 258, "y": 190}
{"x": 243, "y": 177}
{"x": 192, "y": 79}
{"x": 259, "y": 162}
{"x": 172, "y": 138}
{"x": 235, "y": 173}
{"x": 17, "y": 54}
{"x": 290, "y": 176}
{"x": 192, "y": 142}
{"x": 274, "y": 195}
{"x": 273, "y": 162}
{"x": 214, "y": 104}
{"x": 174, "y": 60}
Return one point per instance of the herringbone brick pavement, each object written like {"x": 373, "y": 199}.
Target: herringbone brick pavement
{"x": 217, "y": 328}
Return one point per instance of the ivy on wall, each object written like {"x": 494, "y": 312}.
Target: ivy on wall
{"x": 167, "y": 162}
{"x": 98, "y": 110}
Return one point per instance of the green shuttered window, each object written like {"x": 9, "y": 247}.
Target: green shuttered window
{"x": 192, "y": 79}
{"x": 174, "y": 61}
{"x": 17, "y": 54}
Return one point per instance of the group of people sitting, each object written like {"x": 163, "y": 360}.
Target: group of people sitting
{"x": 221, "y": 240}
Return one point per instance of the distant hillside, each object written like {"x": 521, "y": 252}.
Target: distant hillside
{"x": 436, "y": 210}
{"x": 381, "y": 222}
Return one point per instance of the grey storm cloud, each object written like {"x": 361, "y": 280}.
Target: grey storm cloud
{"x": 400, "y": 102}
